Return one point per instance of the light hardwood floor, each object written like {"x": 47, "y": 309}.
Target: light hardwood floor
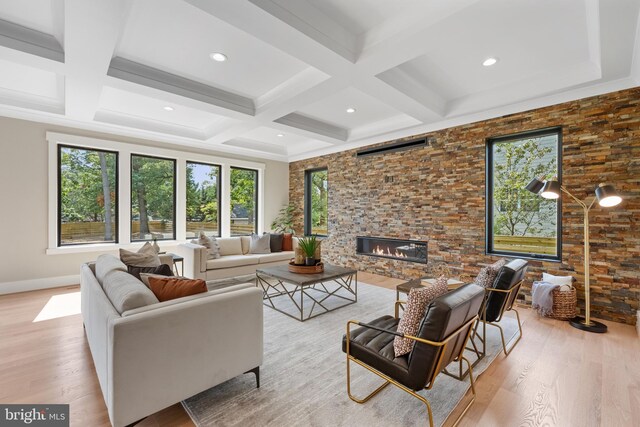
{"x": 556, "y": 376}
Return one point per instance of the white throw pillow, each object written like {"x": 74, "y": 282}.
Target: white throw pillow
{"x": 565, "y": 282}
{"x": 260, "y": 244}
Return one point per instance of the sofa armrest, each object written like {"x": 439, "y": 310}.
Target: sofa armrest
{"x": 195, "y": 259}
{"x": 160, "y": 357}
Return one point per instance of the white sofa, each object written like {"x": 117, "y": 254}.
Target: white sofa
{"x": 235, "y": 259}
{"x": 154, "y": 355}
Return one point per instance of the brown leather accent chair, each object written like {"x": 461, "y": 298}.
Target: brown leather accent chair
{"x": 442, "y": 337}
{"x": 499, "y": 299}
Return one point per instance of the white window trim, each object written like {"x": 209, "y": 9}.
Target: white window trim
{"x": 125, "y": 150}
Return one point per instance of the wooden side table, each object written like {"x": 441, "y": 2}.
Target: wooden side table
{"x": 416, "y": 283}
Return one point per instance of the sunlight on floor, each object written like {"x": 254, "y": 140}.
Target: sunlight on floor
{"x": 60, "y": 306}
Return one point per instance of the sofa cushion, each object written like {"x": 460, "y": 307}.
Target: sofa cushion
{"x": 168, "y": 288}
{"x": 232, "y": 261}
{"x": 276, "y": 242}
{"x": 230, "y": 246}
{"x": 260, "y": 244}
{"x": 145, "y": 257}
{"x": 211, "y": 243}
{"x": 126, "y": 292}
{"x": 105, "y": 264}
{"x": 273, "y": 257}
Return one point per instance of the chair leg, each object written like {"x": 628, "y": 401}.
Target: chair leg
{"x": 365, "y": 399}
{"x": 504, "y": 344}
{"x": 473, "y": 391}
{"x": 388, "y": 381}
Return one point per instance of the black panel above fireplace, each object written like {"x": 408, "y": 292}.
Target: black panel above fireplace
{"x": 404, "y": 250}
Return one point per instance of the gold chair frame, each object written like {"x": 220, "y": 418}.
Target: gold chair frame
{"x": 388, "y": 380}
{"x": 507, "y": 305}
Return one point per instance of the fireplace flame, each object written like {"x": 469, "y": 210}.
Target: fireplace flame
{"x": 379, "y": 251}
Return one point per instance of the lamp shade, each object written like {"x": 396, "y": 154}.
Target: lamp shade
{"x": 551, "y": 189}
{"x": 607, "y": 195}
{"x": 534, "y": 186}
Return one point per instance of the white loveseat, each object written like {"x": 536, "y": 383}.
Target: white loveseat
{"x": 235, "y": 259}
{"x": 152, "y": 356}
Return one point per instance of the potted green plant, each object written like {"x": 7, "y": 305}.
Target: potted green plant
{"x": 284, "y": 221}
{"x": 309, "y": 244}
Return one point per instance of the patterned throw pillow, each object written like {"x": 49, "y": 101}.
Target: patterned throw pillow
{"x": 213, "y": 248}
{"x": 488, "y": 274}
{"x": 419, "y": 299}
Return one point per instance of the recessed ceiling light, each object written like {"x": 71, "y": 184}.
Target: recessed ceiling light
{"x": 489, "y": 62}
{"x": 351, "y": 110}
{"x": 217, "y": 56}
{"x": 280, "y": 135}
{"x": 168, "y": 108}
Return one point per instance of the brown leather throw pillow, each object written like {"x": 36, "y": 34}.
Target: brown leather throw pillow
{"x": 287, "y": 242}
{"x": 168, "y": 288}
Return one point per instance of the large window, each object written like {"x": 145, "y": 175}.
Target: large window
{"x": 316, "y": 202}
{"x": 244, "y": 201}
{"x": 88, "y": 205}
{"x": 153, "y": 198}
{"x": 520, "y": 223}
{"x": 203, "y": 199}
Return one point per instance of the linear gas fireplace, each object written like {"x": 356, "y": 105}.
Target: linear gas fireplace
{"x": 405, "y": 250}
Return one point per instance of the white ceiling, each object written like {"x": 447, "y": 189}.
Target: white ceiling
{"x": 295, "y": 66}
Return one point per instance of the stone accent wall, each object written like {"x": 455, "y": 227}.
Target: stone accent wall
{"x": 438, "y": 195}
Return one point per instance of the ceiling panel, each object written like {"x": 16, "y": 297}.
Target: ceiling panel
{"x": 31, "y": 81}
{"x": 144, "y": 107}
{"x": 38, "y": 15}
{"x": 178, "y": 38}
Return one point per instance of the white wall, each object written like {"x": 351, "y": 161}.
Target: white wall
{"x": 24, "y": 265}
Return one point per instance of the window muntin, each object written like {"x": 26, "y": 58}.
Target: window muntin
{"x": 153, "y": 198}
{"x": 520, "y": 223}
{"x": 203, "y": 199}
{"x": 316, "y": 203}
{"x": 87, "y": 196}
{"x": 244, "y": 201}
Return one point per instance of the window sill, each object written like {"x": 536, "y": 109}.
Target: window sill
{"x": 523, "y": 256}
{"x": 105, "y": 247}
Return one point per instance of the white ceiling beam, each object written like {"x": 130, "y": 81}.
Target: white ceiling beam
{"x": 92, "y": 30}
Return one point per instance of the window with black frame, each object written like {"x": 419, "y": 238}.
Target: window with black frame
{"x": 153, "y": 198}
{"x": 518, "y": 222}
{"x": 203, "y": 199}
{"x": 244, "y": 201}
{"x": 87, "y": 196}
{"x": 316, "y": 202}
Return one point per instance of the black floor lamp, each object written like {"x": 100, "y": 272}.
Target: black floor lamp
{"x": 606, "y": 196}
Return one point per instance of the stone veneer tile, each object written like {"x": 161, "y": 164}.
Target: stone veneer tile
{"x": 438, "y": 195}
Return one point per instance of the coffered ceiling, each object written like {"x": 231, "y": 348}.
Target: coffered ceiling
{"x": 294, "y": 67}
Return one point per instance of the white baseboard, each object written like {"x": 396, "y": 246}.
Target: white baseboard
{"x": 35, "y": 284}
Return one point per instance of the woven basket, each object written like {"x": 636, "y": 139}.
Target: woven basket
{"x": 564, "y": 304}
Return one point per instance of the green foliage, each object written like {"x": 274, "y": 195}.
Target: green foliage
{"x": 81, "y": 190}
{"x": 319, "y": 201}
{"x": 516, "y": 210}
{"x": 284, "y": 221}
{"x": 244, "y": 191}
{"x": 152, "y": 190}
{"x": 202, "y": 195}
{"x": 309, "y": 244}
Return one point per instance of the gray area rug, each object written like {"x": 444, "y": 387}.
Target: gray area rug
{"x": 303, "y": 377}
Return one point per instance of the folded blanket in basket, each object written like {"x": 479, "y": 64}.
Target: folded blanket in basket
{"x": 542, "y": 297}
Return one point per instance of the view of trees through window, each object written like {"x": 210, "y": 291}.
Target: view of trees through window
{"x": 317, "y": 202}
{"x": 152, "y": 198}
{"x": 87, "y": 196}
{"x": 244, "y": 201}
{"x": 523, "y": 222}
{"x": 203, "y": 201}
